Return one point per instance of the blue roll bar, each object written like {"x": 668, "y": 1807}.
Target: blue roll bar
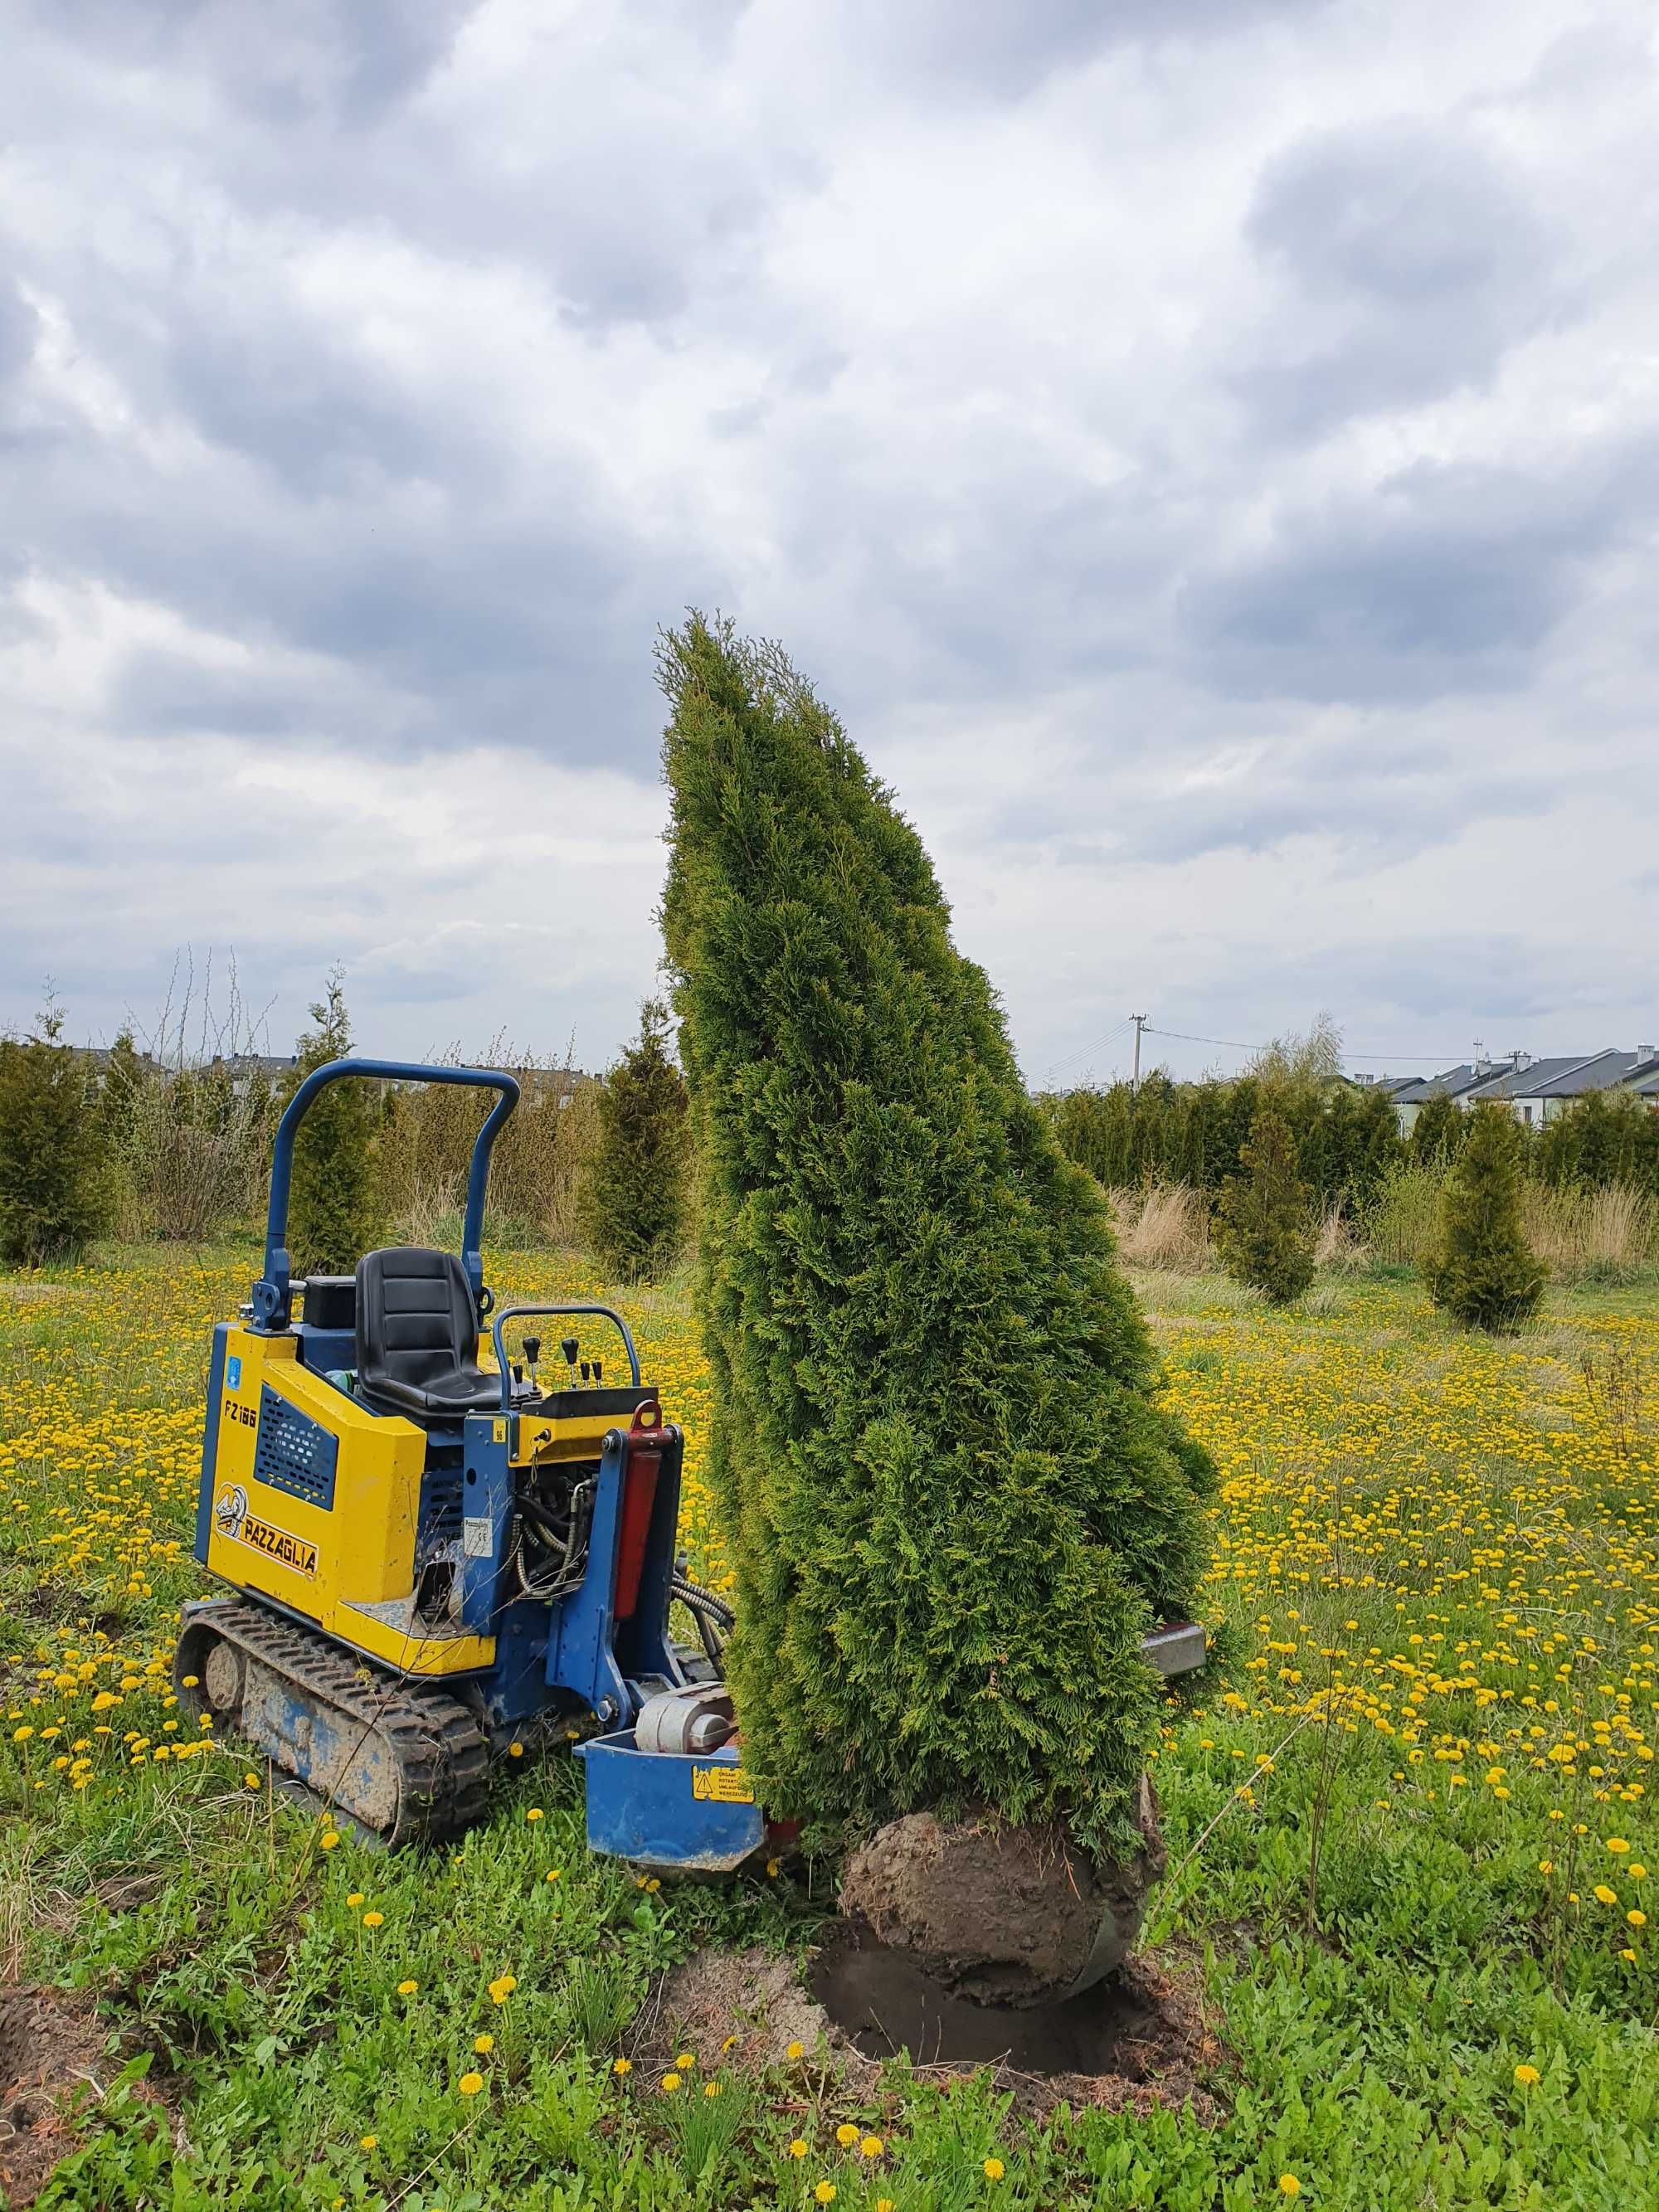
{"x": 271, "y": 1300}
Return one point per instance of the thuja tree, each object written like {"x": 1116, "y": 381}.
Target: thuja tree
{"x": 1482, "y": 1270}
{"x": 334, "y": 1215}
{"x": 1264, "y": 1227}
{"x": 633, "y": 1199}
{"x": 54, "y": 1179}
{"x": 952, "y": 1502}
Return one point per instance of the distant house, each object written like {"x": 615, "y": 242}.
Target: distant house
{"x": 1537, "y": 1103}
{"x": 1535, "y": 1091}
{"x": 1414, "y": 1096}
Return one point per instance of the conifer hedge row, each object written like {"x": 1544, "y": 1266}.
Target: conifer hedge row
{"x": 952, "y": 1502}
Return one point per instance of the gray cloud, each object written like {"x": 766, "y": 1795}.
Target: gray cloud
{"x": 1095, "y": 399}
{"x": 1443, "y": 579}
{"x": 1419, "y": 259}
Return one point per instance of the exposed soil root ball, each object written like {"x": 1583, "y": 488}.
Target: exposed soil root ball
{"x": 1000, "y": 1914}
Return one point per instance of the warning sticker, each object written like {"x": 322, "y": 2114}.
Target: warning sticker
{"x": 476, "y": 1537}
{"x": 721, "y": 1785}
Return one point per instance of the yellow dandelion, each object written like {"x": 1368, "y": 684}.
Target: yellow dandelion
{"x": 375, "y": 1920}
{"x": 669, "y": 2082}
{"x": 686, "y": 2060}
{"x": 846, "y": 2136}
{"x": 796, "y": 2051}
{"x": 798, "y": 2148}
{"x": 470, "y": 2084}
{"x": 1289, "y": 2185}
{"x": 825, "y": 2192}
{"x": 994, "y": 2169}
{"x": 370, "y": 2142}
{"x": 621, "y": 2066}
{"x": 871, "y": 2147}
{"x": 483, "y": 2044}
{"x": 407, "y": 1988}
{"x": 1528, "y": 2076}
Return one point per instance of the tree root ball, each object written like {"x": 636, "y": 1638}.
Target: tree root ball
{"x": 1004, "y": 1915}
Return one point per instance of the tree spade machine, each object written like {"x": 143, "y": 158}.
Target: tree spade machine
{"x": 435, "y": 1552}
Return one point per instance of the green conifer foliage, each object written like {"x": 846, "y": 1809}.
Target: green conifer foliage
{"x": 1264, "y": 1228}
{"x": 633, "y": 1201}
{"x": 55, "y": 1189}
{"x": 952, "y": 1502}
{"x": 1438, "y": 1133}
{"x": 1482, "y": 1271}
{"x": 333, "y": 1213}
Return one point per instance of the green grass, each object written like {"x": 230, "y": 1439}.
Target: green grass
{"x": 1454, "y": 1501}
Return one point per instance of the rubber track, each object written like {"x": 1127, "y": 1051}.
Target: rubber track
{"x": 441, "y": 1754}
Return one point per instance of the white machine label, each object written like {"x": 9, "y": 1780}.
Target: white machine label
{"x": 475, "y": 1538}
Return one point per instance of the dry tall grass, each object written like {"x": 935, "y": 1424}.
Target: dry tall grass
{"x": 1590, "y": 1236}
{"x": 426, "y": 1142}
{"x": 1164, "y": 1226}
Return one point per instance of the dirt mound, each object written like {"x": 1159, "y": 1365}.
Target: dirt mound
{"x": 1000, "y": 1914}
{"x": 1138, "y": 2041}
{"x": 51, "y": 2043}
{"x": 755, "y": 1995}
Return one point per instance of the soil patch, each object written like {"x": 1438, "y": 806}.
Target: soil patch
{"x": 1138, "y": 2040}
{"x": 51, "y": 2045}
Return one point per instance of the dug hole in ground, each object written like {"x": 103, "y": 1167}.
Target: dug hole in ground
{"x": 964, "y": 1943}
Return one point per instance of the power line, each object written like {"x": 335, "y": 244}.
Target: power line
{"x": 1084, "y": 1051}
{"x": 1349, "y": 1051}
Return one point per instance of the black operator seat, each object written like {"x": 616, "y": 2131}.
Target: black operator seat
{"x": 417, "y": 1337}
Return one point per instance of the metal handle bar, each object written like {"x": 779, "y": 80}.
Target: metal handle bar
{"x": 518, "y": 1313}
{"x": 271, "y": 1303}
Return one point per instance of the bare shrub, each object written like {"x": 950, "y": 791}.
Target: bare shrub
{"x": 1401, "y": 1222}
{"x": 1613, "y": 1388}
{"x": 1589, "y": 1235}
{"x": 1164, "y": 1226}
{"x": 190, "y": 1112}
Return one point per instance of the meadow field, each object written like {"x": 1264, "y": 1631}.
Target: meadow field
{"x": 1409, "y": 1834}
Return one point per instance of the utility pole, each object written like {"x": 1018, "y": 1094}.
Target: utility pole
{"x": 1139, "y": 1021}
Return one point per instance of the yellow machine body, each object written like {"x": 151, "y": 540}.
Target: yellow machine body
{"x": 329, "y": 1564}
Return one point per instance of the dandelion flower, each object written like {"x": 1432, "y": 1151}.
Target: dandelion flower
{"x": 796, "y": 2051}
{"x": 1604, "y": 1895}
{"x": 686, "y": 2060}
{"x": 1637, "y": 1919}
{"x": 534, "y": 1813}
{"x": 470, "y": 2084}
{"x": 370, "y": 2142}
{"x": 355, "y": 1897}
{"x": 846, "y": 2136}
{"x": 1289, "y": 2185}
{"x": 669, "y": 2083}
{"x": 994, "y": 2169}
{"x": 483, "y": 2044}
{"x": 250, "y": 1782}
{"x": 1528, "y": 2076}
{"x": 375, "y": 1920}
{"x": 621, "y": 2066}
{"x": 1617, "y": 1844}
{"x": 553, "y": 1874}
{"x": 798, "y": 2148}
{"x": 407, "y": 1988}
{"x": 825, "y": 2192}
{"x": 711, "y": 2088}
{"x": 515, "y": 1750}
{"x": 871, "y": 2147}
{"x": 325, "y": 1842}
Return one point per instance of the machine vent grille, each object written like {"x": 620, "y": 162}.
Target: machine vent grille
{"x": 293, "y": 1453}
{"x": 440, "y": 1510}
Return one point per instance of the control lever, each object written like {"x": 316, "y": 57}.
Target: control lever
{"x": 532, "y": 1352}
{"x": 569, "y": 1346}
{"x": 599, "y": 1372}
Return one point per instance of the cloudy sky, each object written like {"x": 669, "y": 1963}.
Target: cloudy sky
{"x": 1208, "y": 449}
